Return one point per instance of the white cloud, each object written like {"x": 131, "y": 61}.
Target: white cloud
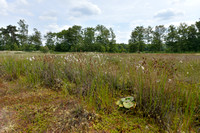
{"x": 122, "y": 36}
{"x": 56, "y": 28}
{"x": 22, "y": 2}
{"x": 3, "y": 7}
{"x": 192, "y": 3}
{"x": 85, "y": 9}
{"x": 49, "y": 16}
{"x": 40, "y": 1}
{"x": 177, "y": 23}
{"x": 167, "y": 14}
{"x": 14, "y": 7}
{"x": 52, "y": 27}
{"x": 3, "y": 3}
{"x": 177, "y": 1}
{"x": 142, "y": 22}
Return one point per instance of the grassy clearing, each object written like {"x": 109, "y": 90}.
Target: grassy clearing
{"x": 166, "y": 88}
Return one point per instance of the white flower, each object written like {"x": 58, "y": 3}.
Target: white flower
{"x": 157, "y": 81}
{"x": 169, "y": 80}
{"x": 187, "y": 72}
{"x": 140, "y": 66}
{"x": 181, "y": 61}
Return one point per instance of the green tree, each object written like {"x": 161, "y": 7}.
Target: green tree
{"x": 102, "y": 37}
{"x": 171, "y": 39}
{"x": 148, "y": 37}
{"x": 197, "y": 24}
{"x": 158, "y": 38}
{"x": 4, "y": 34}
{"x": 88, "y": 39}
{"x": 12, "y": 30}
{"x": 50, "y": 40}
{"x": 112, "y": 44}
{"x": 192, "y": 39}
{"x": 137, "y": 39}
{"x": 2, "y": 39}
{"x": 8, "y": 37}
{"x": 75, "y": 39}
{"x": 62, "y": 41}
{"x": 23, "y": 33}
{"x": 35, "y": 39}
{"x": 69, "y": 40}
{"x": 183, "y": 37}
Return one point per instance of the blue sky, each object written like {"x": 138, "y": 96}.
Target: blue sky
{"x": 121, "y": 15}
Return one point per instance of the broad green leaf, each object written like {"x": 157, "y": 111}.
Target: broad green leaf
{"x": 121, "y": 105}
{"x": 118, "y": 102}
{"x": 128, "y": 104}
{"x": 129, "y": 98}
{"x": 123, "y": 99}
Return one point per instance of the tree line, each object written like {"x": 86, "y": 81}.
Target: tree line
{"x": 182, "y": 38}
{"x": 17, "y": 38}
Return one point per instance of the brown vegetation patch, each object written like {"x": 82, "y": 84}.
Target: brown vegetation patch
{"x": 7, "y": 120}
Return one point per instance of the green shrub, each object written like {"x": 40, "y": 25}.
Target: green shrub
{"x": 44, "y": 49}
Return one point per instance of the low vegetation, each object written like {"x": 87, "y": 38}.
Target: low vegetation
{"x": 58, "y": 92}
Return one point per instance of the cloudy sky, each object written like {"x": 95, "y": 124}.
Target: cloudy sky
{"x": 121, "y": 15}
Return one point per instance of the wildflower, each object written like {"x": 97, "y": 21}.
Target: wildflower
{"x": 187, "y": 72}
{"x": 169, "y": 80}
{"x": 181, "y": 61}
{"x": 142, "y": 67}
{"x": 157, "y": 81}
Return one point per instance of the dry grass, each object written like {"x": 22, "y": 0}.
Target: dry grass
{"x": 165, "y": 86}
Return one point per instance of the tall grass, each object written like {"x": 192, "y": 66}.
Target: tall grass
{"x": 166, "y": 87}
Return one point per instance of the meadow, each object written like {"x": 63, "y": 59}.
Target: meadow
{"x": 78, "y": 92}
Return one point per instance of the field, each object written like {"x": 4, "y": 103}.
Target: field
{"x": 77, "y": 92}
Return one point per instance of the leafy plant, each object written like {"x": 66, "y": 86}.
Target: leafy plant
{"x": 127, "y": 102}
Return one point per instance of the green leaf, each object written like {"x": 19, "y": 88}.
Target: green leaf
{"x": 129, "y": 98}
{"x": 123, "y": 99}
{"x": 128, "y": 104}
{"x": 121, "y": 105}
{"x": 118, "y": 102}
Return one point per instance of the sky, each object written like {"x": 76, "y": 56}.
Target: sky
{"x": 120, "y": 15}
